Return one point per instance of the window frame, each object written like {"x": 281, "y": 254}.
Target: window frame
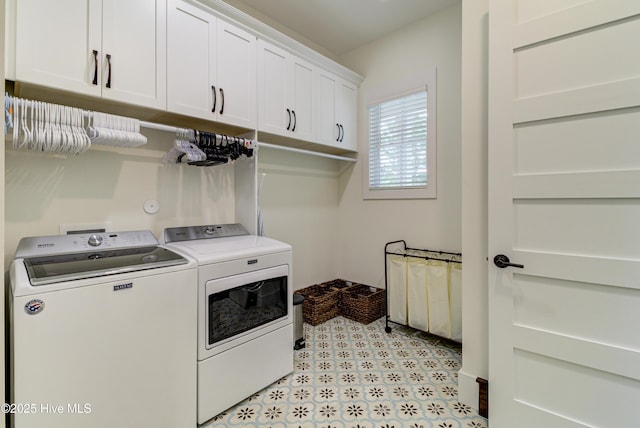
{"x": 425, "y": 81}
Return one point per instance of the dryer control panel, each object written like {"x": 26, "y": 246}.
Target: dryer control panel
{"x": 189, "y": 233}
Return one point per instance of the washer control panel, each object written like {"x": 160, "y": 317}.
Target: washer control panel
{"x": 82, "y": 242}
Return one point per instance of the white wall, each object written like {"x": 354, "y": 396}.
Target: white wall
{"x": 365, "y": 226}
{"x": 475, "y": 336}
{"x": 111, "y": 184}
{"x": 299, "y": 203}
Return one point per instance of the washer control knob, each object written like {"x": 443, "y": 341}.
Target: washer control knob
{"x": 95, "y": 240}
{"x": 210, "y": 230}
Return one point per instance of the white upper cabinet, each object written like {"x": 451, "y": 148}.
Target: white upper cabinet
{"x": 134, "y": 51}
{"x": 285, "y": 93}
{"x": 211, "y": 67}
{"x": 337, "y": 112}
{"x": 110, "y": 48}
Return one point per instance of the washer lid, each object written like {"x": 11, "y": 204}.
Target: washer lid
{"x": 65, "y": 267}
{"x": 206, "y": 251}
{"x": 57, "y": 258}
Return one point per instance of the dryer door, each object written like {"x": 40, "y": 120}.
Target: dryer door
{"x": 240, "y": 304}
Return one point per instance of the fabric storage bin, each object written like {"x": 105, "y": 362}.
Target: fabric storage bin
{"x": 417, "y": 296}
{"x": 438, "y": 295}
{"x": 397, "y": 289}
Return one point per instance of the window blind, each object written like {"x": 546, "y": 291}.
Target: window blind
{"x": 398, "y": 142}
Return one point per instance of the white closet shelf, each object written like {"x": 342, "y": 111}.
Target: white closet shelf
{"x": 306, "y": 152}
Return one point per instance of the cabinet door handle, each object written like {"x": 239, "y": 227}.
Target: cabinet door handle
{"x": 222, "y": 104}
{"x": 95, "y": 68}
{"x": 289, "y": 115}
{"x": 338, "y": 139}
{"x": 342, "y": 136}
{"x": 295, "y": 121}
{"x": 213, "y": 91}
{"x": 108, "y": 85}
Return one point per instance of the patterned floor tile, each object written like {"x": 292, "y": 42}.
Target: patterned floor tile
{"x": 352, "y": 375}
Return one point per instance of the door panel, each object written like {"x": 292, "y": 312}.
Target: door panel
{"x": 576, "y": 61}
{"x": 564, "y": 164}
{"x": 55, "y": 41}
{"x": 134, "y": 34}
{"x": 190, "y": 72}
{"x": 302, "y": 99}
{"x": 273, "y": 74}
{"x": 236, "y": 71}
{"x": 327, "y": 127}
{"x": 579, "y": 134}
{"x": 557, "y": 306}
{"x": 551, "y": 391}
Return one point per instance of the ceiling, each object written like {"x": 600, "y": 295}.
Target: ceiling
{"x": 339, "y": 26}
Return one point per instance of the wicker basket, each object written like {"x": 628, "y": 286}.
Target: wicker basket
{"x": 339, "y": 284}
{"x": 363, "y": 303}
{"x": 342, "y": 286}
{"x": 320, "y": 303}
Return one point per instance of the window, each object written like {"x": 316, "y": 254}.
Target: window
{"x": 401, "y": 143}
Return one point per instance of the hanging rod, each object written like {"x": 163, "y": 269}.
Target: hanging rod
{"x": 158, "y": 126}
{"x": 306, "y": 152}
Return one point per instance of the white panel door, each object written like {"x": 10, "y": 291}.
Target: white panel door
{"x": 273, "y": 77}
{"x": 58, "y": 44}
{"x": 135, "y": 51}
{"x": 236, "y": 71}
{"x": 564, "y": 198}
{"x": 302, "y": 99}
{"x": 327, "y": 126}
{"x": 191, "y": 51}
{"x": 347, "y": 104}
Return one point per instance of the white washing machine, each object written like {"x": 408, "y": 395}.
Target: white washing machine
{"x": 245, "y": 312}
{"x": 102, "y": 333}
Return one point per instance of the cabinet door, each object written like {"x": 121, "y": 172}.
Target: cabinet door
{"x": 134, "y": 51}
{"x": 328, "y": 129}
{"x": 347, "y": 109}
{"x": 236, "y": 72}
{"x": 191, "y": 48}
{"x": 273, "y": 75}
{"x": 55, "y": 41}
{"x": 302, "y": 99}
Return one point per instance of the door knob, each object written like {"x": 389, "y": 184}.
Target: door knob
{"x": 503, "y": 261}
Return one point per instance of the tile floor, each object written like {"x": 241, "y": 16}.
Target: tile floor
{"x": 352, "y": 375}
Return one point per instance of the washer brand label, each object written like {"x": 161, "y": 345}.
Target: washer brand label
{"x": 45, "y": 245}
{"x": 123, "y": 286}
{"x": 33, "y": 307}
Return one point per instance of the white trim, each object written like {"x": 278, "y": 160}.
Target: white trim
{"x": 468, "y": 390}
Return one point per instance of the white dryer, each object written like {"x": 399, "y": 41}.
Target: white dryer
{"x": 245, "y": 311}
{"x": 102, "y": 333}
